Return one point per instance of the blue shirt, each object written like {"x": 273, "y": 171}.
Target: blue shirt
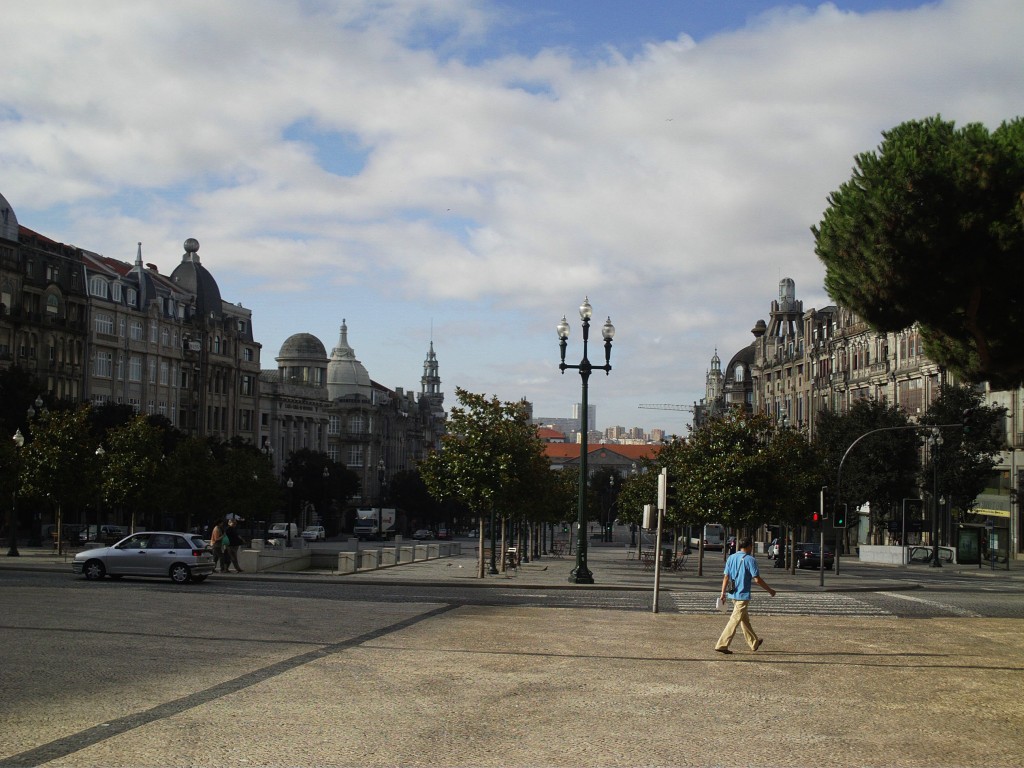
{"x": 742, "y": 569}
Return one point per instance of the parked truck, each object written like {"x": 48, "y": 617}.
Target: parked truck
{"x": 376, "y": 523}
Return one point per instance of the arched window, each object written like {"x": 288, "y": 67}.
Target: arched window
{"x": 52, "y": 305}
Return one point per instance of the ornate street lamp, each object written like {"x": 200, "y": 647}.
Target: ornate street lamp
{"x": 12, "y": 523}
{"x": 581, "y": 573}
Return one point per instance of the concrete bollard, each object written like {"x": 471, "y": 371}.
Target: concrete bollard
{"x": 388, "y": 556}
{"x": 369, "y": 559}
{"x": 346, "y": 562}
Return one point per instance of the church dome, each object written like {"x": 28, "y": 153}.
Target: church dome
{"x": 302, "y": 360}
{"x": 302, "y": 346}
{"x": 346, "y": 376}
{"x": 8, "y": 221}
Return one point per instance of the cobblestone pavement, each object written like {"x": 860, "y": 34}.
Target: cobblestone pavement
{"x": 448, "y": 685}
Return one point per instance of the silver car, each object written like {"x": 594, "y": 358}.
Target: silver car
{"x": 183, "y": 557}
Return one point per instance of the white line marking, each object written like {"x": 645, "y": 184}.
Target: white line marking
{"x": 942, "y": 606}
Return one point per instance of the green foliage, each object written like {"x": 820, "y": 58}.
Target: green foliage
{"x": 490, "y": 459}
{"x": 930, "y": 230}
{"x": 130, "y": 466}
{"x": 881, "y": 469}
{"x": 966, "y": 457}
{"x": 59, "y": 461}
{"x": 740, "y": 470}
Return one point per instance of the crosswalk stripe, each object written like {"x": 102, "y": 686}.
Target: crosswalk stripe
{"x": 783, "y": 604}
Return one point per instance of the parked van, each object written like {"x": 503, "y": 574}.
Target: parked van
{"x": 280, "y": 531}
{"x": 713, "y": 535}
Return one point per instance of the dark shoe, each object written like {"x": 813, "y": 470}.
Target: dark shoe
{"x": 757, "y": 644}
{"x": 723, "y": 650}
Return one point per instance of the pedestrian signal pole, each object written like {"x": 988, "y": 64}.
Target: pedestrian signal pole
{"x": 662, "y": 501}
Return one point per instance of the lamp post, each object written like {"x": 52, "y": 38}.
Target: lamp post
{"x": 12, "y": 523}
{"x": 935, "y": 441}
{"x": 326, "y": 475}
{"x": 381, "y": 470}
{"x": 100, "y": 454}
{"x": 291, "y": 505}
{"x": 581, "y": 573}
{"x": 611, "y": 505}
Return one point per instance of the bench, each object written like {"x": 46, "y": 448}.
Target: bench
{"x": 557, "y": 549}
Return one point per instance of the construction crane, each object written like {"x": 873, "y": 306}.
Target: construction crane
{"x": 667, "y": 407}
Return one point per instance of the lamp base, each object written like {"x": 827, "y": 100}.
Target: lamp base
{"x": 581, "y": 576}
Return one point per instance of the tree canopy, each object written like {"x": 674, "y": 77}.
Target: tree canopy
{"x": 930, "y": 230}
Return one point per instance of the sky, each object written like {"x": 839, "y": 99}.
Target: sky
{"x": 467, "y": 171}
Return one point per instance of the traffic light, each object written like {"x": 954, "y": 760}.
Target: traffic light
{"x": 967, "y": 419}
{"x": 839, "y": 520}
{"x": 816, "y": 517}
{"x": 825, "y": 506}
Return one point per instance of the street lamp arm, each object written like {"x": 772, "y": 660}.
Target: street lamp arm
{"x": 839, "y": 472}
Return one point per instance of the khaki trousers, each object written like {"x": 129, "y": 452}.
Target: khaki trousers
{"x": 739, "y": 618}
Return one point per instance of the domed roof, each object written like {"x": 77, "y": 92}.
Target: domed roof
{"x": 345, "y": 374}
{"x": 302, "y": 346}
{"x": 8, "y": 221}
{"x": 193, "y": 277}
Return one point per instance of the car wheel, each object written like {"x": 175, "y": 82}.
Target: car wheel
{"x": 94, "y": 570}
{"x": 181, "y": 573}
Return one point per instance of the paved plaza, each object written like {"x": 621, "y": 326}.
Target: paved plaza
{"x": 442, "y": 684}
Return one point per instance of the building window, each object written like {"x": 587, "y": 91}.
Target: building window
{"x": 97, "y": 287}
{"x": 357, "y": 424}
{"x": 122, "y": 327}
{"x": 153, "y": 332}
{"x": 135, "y": 368}
{"x": 152, "y": 371}
{"x": 52, "y": 305}
{"x": 132, "y": 293}
{"x": 355, "y": 456}
{"x": 165, "y": 374}
{"x": 104, "y": 364}
{"x": 136, "y": 330}
{"x": 247, "y": 354}
{"x": 332, "y": 452}
{"x": 246, "y": 382}
{"x": 334, "y": 425}
{"x": 165, "y": 337}
{"x": 103, "y": 323}
{"x": 120, "y": 367}
{"x": 115, "y": 292}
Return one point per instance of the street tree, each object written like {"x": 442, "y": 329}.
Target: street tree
{"x": 129, "y": 469}
{"x": 248, "y": 488}
{"x": 969, "y": 451}
{"x": 487, "y": 459}
{"x": 189, "y": 483}
{"x": 930, "y": 230}
{"x": 881, "y": 470}
{"x": 59, "y": 463}
{"x": 320, "y": 486}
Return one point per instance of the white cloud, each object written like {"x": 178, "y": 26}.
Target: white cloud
{"x": 675, "y": 186}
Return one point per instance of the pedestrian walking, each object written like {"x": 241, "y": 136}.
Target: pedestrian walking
{"x": 218, "y": 545}
{"x": 234, "y": 543}
{"x": 741, "y": 569}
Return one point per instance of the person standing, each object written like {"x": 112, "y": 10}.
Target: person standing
{"x": 742, "y": 569}
{"x": 234, "y": 543}
{"x": 218, "y": 545}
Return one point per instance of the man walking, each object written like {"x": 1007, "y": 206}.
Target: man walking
{"x": 742, "y": 569}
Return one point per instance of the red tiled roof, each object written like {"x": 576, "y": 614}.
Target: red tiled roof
{"x": 555, "y": 451}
